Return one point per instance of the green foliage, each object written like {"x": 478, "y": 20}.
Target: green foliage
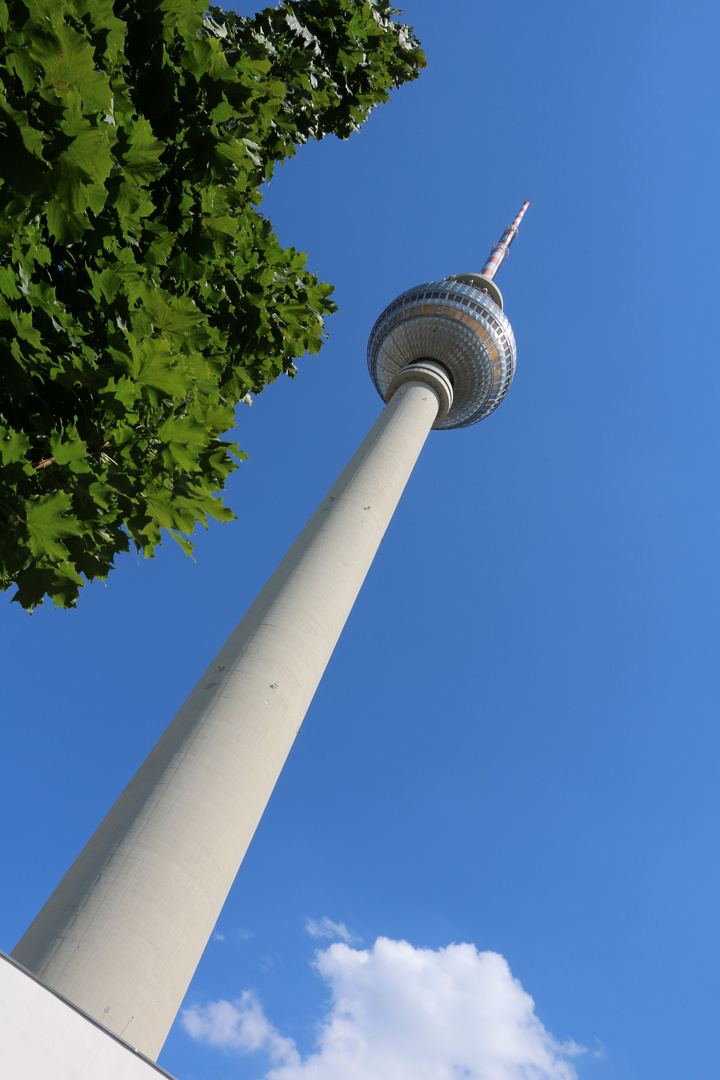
{"x": 142, "y": 294}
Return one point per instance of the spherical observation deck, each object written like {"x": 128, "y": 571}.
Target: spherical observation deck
{"x": 458, "y": 324}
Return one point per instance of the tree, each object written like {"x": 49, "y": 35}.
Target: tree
{"x": 142, "y": 294}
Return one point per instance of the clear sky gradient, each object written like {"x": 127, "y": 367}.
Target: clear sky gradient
{"x": 515, "y": 745}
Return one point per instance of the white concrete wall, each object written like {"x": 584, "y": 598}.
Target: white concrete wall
{"x": 43, "y": 1037}
{"x": 123, "y": 933}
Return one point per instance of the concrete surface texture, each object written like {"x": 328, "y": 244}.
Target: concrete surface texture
{"x": 123, "y": 932}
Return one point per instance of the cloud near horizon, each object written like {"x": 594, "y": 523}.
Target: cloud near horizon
{"x": 402, "y": 1013}
{"x": 239, "y": 1025}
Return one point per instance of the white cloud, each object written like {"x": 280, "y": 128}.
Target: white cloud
{"x": 401, "y": 1013}
{"x": 239, "y": 1025}
{"x": 599, "y": 1051}
{"x": 326, "y": 928}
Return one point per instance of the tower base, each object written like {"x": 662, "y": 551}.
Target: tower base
{"x": 43, "y": 1035}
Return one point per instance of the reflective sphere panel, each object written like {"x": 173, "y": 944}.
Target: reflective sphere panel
{"x": 457, "y": 325}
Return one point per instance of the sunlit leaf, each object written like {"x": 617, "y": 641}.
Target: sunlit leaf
{"x": 49, "y": 519}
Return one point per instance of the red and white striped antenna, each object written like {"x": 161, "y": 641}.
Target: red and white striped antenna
{"x": 500, "y": 251}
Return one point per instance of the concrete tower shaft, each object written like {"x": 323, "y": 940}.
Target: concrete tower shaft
{"x": 123, "y": 932}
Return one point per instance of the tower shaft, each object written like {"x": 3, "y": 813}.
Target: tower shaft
{"x": 123, "y": 932}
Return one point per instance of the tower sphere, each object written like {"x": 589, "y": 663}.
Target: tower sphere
{"x": 459, "y": 323}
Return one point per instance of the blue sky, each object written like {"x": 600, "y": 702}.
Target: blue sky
{"x": 515, "y": 745}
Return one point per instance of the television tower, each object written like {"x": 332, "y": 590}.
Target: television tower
{"x": 122, "y": 934}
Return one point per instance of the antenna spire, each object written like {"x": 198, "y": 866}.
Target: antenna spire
{"x": 500, "y": 251}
